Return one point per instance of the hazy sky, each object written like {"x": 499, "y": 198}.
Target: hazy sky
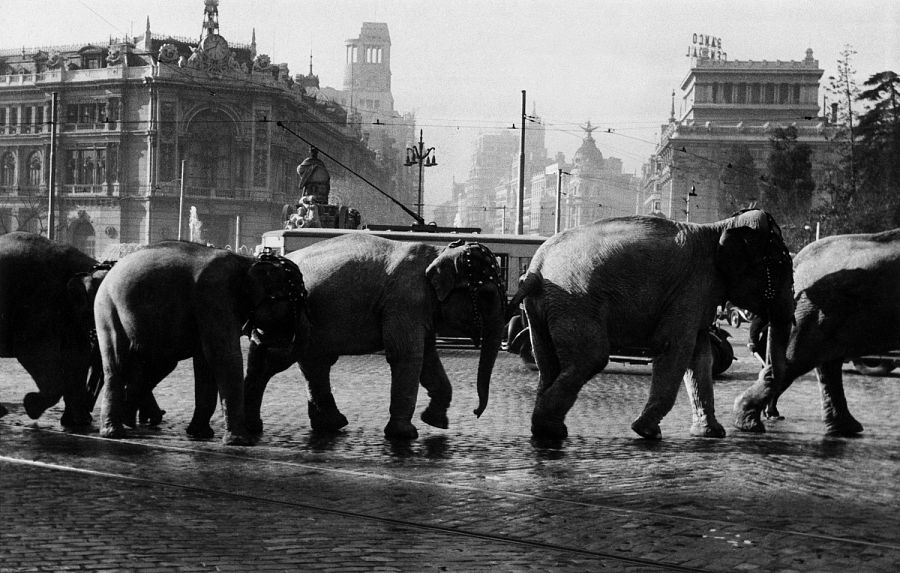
{"x": 461, "y": 65}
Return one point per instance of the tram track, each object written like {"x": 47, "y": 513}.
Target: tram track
{"x": 626, "y": 513}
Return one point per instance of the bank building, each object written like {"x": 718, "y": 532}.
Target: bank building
{"x": 148, "y": 127}
{"x": 712, "y": 151}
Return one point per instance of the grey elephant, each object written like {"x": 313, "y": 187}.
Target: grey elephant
{"x": 368, "y": 294}
{"x": 847, "y": 305}
{"x": 177, "y": 300}
{"x": 648, "y": 282}
{"x": 46, "y": 322}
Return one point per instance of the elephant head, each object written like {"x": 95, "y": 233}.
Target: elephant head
{"x": 471, "y": 298}
{"x": 277, "y": 296}
{"x": 758, "y": 275}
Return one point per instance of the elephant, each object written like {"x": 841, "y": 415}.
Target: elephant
{"x": 46, "y": 321}
{"x": 367, "y": 294}
{"x": 649, "y": 282}
{"x": 175, "y": 300}
{"x": 847, "y": 305}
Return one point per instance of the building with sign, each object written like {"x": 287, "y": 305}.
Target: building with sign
{"x": 713, "y": 150}
{"x": 141, "y": 120}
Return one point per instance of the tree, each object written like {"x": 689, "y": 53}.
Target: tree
{"x": 789, "y": 185}
{"x": 739, "y": 180}
{"x": 864, "y": 195}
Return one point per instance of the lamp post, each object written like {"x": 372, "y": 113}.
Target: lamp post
{"x": 687, "y": 204}
{"x": 422, "y": 157}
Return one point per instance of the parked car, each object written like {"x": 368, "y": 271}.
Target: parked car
{"x": 877, "y": 365}
{"x": 518, "y": 341}
{"x": 735, "y": 316}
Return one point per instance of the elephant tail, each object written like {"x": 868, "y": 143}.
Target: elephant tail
{"x": 529, "y": 285}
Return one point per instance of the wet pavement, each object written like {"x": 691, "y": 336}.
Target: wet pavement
{"x": 481, "y": 496}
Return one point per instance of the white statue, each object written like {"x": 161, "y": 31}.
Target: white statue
{"x": 196, "y": 227}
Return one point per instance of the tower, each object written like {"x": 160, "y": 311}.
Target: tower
{"x": 367, "y": 72}
{"x": 210, "y": 18}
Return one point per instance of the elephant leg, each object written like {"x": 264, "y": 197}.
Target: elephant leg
{"x": 262, "y": 364}
{"x": 835, "y": 413}
{"x": 324, "y": 415}
{"x": 149, "y": 412}
{"x": 205, "y": 396}
{"x": 406, "y": 368}
{"x": 699, "y": 386}
{"x": 668, "y": 370}
{"x": 434, "y": 380}
{"x": 3, "y": 410}
{"x": 57, "y": 381}
{"x": 541, "y": 346}
{"x": 583, "y": 355}
{"x": 144, "y": 376}
{"x": 46, "y": 374}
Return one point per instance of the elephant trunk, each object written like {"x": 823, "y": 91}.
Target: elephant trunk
{"x": 491, "y": 337}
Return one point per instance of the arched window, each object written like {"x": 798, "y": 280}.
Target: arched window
{"x": 8, "y": 170}
{"x": 34, "y": 169}
{"x": 83, "y": 236}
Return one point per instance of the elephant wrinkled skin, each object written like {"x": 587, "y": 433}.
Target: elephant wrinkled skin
{"x": 368, "y": 294}
{"x": 647, "y": 282}
{"x": 177, "y": 300}
{"x": 46, "y": 320}
{"x": 847, "y": 305}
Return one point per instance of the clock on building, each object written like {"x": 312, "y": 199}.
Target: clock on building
{"x": 216, "y": 47}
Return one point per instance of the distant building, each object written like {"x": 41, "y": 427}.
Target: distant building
{"x": 366, "y": 93}
{"x": 718, "y": 144}
{"x": 593, "y": 187}
{"x": 131, "y": 110}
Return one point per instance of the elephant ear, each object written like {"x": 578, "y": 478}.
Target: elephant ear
{"x": 442, "y": 274}
{"x": 738, "y": 248}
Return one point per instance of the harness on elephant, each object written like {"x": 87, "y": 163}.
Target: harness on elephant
{"x": 479, "y": 266}
{"x": 295, "y": 294}
{"x": 777, "y": 259}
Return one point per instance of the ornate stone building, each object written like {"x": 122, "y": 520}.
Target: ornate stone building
{"x": 711, "y": 157}
{"x": 131, "y": 112}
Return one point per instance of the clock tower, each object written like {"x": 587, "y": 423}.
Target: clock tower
{"x": 210, "y": 18}
{"x": 212, "y": 53}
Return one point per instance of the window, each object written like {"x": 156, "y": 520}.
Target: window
{"x": 770, "y": 93}
{"x": 34, "y": 169}
{"x": 8, "y": 170}
{"x": 85, "y": 167}
{"x": 726, "y": 93}
{"x": 741, "y": 95}
{"x": 39, "y": 119}
{"x": 783, "y": 93}
{"x": 755, "y": 93}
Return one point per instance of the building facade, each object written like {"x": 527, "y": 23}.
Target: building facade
{"x": 711, "y": 157}
{"x": 141, "y": 121}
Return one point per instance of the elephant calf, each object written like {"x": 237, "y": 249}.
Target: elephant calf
{"x": 847, "y": 305}
{"x": 647, "y": 282}
{"x": 368, "y": 294}
{"x": 177, "y": 300}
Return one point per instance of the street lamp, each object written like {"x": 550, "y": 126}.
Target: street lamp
{"x": 423, "y": 158}
{"x": 687, "y": 204}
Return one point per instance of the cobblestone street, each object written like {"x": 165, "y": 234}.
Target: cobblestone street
{"x": 481, "y": 496}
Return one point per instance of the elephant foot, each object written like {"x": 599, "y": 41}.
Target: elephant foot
{"x": 3, "y": 410}
{"x": 200, "y": 431}
{"x": 748, "y": 421}
{"x": 400, "y": 430}
{"x": 646, "y": 430}
{"x": 151, "y": 418}
{"x": 35, "y": 405}
{"x": 842, "y": 426}
{"x": 435, "y": 417}
{"x": 237, "y": 439}
{"x": 113, "y": 432}
{"x": 706, "y": 428}
{"x": 771, "y": 413}
{"x": 330, "y": 421}
{"x": 545, "y": 429}
{"x": 70, "y": 420}
{"x": 254, "y": 427}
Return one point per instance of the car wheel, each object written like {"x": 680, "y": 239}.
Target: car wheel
{"x": 873, "y": 367}
{"x": 734, "y": 318}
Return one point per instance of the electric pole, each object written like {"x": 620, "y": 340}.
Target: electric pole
{"x": 559, "y": 174}
{"x": 51, "y": 178}
{"x": 520, "y": 197}
{"x": 423, "y": 158}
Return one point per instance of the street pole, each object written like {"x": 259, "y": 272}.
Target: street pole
{"x": 424, "y": 158}
{"x": 520, "y": 197}
{"x": 559, "y": 174}
{"x": 181, "y": 201}
{"x": 687, "y": 202}
{"x": 51, "y": 178}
